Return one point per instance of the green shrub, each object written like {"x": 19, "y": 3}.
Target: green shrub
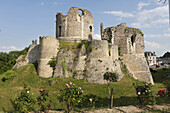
{"x": 145, "y": 95}
{"x": 111, "y": 77}
{"x": 53, "y": 63}
{"x": 44, "y": 100}
{"x": 9, "y": 75}
{"x": 24, "y": 102}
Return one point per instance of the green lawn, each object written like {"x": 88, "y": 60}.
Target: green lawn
{"x": 124, "y": 92}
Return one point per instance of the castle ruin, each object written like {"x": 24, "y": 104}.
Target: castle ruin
{"x": 91, "y": 59}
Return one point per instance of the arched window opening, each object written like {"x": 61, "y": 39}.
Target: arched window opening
{"x": 90, "y": 28}
{"x": 133, "y": 39}
{"x": 59, "y": 31}
{"x": 81, "y": 12}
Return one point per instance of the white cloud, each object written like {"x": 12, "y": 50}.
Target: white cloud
{"x": 8, "y": 48}
{"x": 120, "y": 13}
{"x": 42, "y": 3}
{"x": 97, "y": 36}
{"x": 152, "y": 17}
{"x": 164, "y": 35}
{"x": 160, "y": 49}
{"x": 142, "y": 4}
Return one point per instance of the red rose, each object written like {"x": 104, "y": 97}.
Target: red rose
{"x": 165, "y": 80}
{"x": 163, "y": 90}
{"x": 159, "y": 92}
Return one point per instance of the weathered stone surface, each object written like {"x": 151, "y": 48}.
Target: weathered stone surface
{"x": 137, "y": 67}
{"x": 21, "y": 61}
{"x": 99, "y": 61}
{"x": 32, "y": 56}
{"x": 48, "y": 49}
{"x": 75, "y": 26}
{"x": 131, "y": 45}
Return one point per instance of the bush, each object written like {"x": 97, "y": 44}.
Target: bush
{"x": 167, "y": 86}
{"x": 9, "y": 75}
{"x": 44, "y": 100}
{"x": 112, "y": 77}
{"x": 24, "y": 102}
{"x": 71, "y": 95}
{"x": 145, "y": 95}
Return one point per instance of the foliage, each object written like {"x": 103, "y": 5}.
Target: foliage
{"x": 64, "y": 65}
{"x": 112, "y": 77}
{"x": 124, "y": 92}
{"x": 145, "y": 95}
{"x": 110, "y": 39}
{"x": 24, "y": 102}
{"x": 53, "y": 63}
{"x": 87, "y": 45}
{"x": 119, "y": 51}
{"x": 161, "y": 93}
{"x": 44, "y": 100}
{"x": 8, "y": 60}
{"x": 167, "y": 86}
{"x": 71, "y": 95}
{"x": 9, "y": 75}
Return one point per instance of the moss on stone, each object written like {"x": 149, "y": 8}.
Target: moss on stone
{"x": 64, "y": 65}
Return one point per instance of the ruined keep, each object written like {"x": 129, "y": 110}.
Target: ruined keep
{"x": 131, "y": 46}
{"x": 77, "y": 25}
{"x": 78, "y": 55}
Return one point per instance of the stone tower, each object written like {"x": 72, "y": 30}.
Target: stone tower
{"x": 77, "y": 25}
{"x": 48, "y": 49}
{"x": 102, "y": 30}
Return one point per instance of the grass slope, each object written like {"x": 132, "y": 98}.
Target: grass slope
{"x": 124, "y": 92}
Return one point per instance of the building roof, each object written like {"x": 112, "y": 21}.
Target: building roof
{"x": 167, "y": 54}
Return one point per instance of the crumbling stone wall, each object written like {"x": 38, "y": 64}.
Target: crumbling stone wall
{"x": 75, "y": 25}
{"x": 131, "y": 44}
{"x": 130, "y": 40}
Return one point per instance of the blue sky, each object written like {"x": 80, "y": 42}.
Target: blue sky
{"x": 22, "y": 21}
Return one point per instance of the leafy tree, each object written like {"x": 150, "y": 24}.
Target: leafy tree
{"x": 8, "y": 60}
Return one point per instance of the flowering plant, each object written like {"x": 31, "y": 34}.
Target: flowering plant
{"x": 162, "y": 93}
{"x": 71, "y": 95}
{"x": 145, "y": 95}
{"x": 167, "y": 86}
{"x": 25, "y": 101}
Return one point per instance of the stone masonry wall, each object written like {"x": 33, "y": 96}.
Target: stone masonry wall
{"x": 75, "y": 25}
{"x": 48, "y": 49}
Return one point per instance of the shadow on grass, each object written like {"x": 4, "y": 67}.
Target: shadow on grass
{"x": 100, "y": 102}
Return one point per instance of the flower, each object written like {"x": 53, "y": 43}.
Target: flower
{"x": 82, "y": 91}
{"x": 67, "y": 85}
{"x": 90, "y": 99}
{"x": 165, "y": 80}
{"x": 79, "y": 88}
{"x": 163, "y": 91}
{"x": 27, "y": 91}
{"x": 138, "y": 93}
{"x": 146, "y": 91}
{"x": 71, "y": 83}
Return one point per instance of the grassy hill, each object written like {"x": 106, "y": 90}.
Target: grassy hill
{"x": 124, "y": 92}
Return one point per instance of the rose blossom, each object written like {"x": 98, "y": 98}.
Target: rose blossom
{"x": 71, "y": 83}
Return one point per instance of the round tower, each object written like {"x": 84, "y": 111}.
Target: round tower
{"x": 48, "y": 49}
